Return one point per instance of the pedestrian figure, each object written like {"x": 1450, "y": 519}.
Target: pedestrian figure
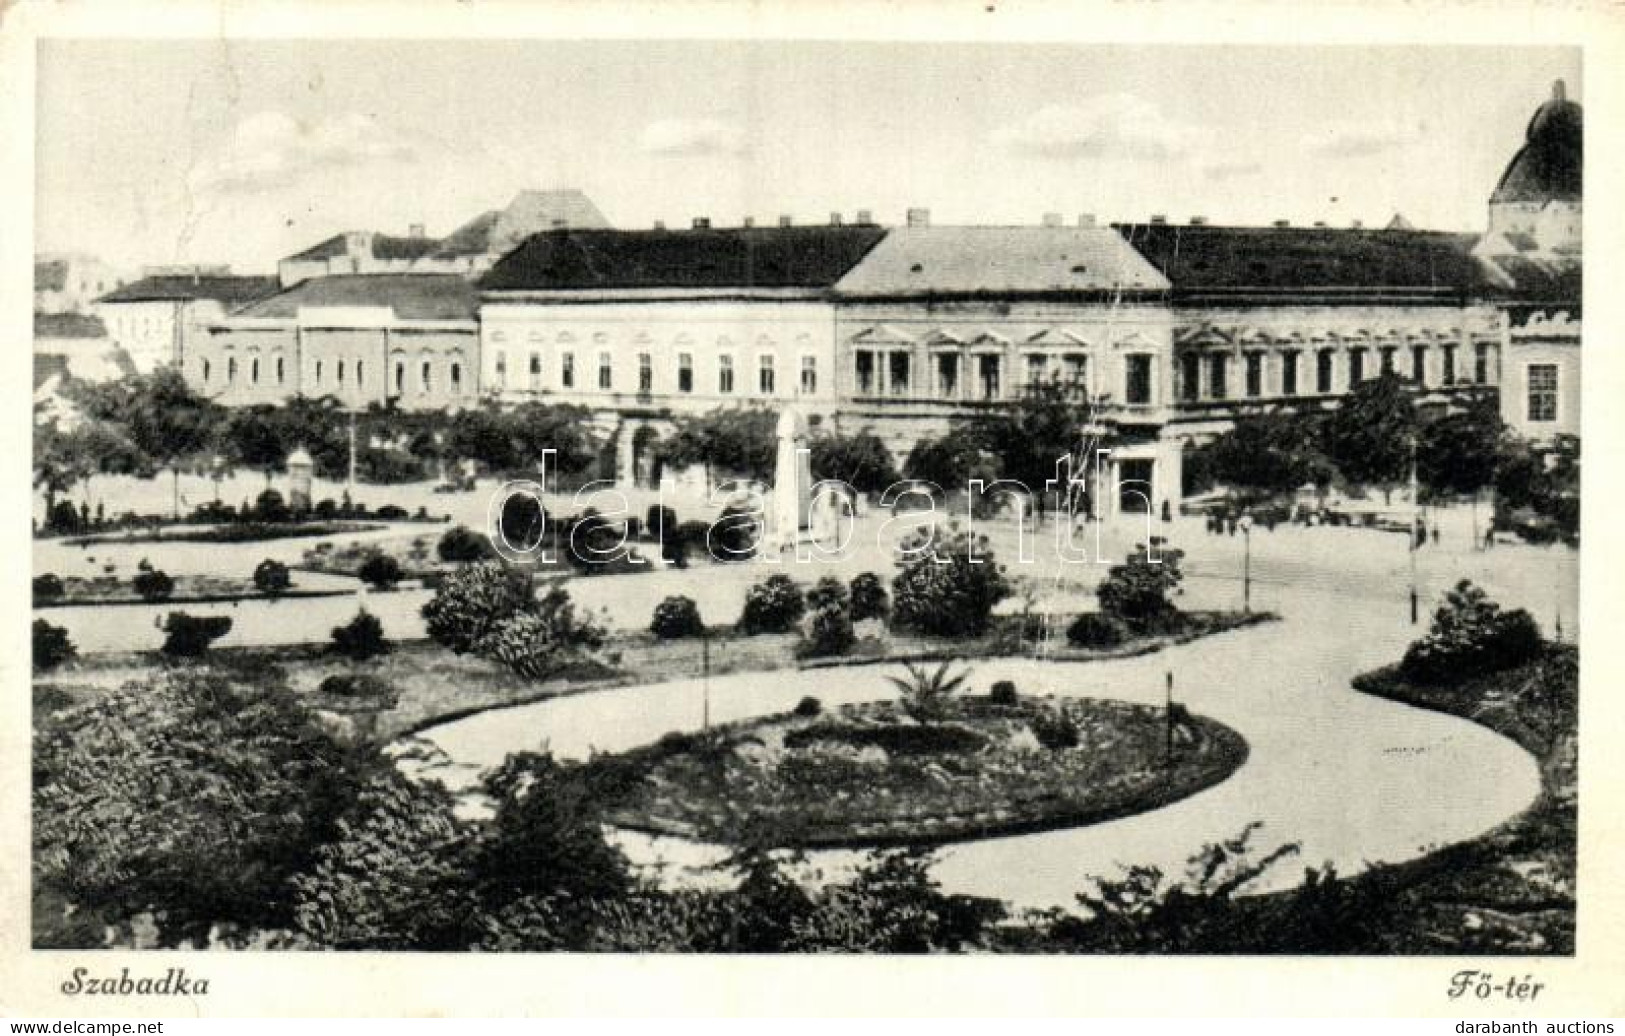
{"x": 1489, "y": 538}
{"x": 1435, "y": 535}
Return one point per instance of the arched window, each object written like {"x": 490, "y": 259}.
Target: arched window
{"x": 341, "y": 372}
{"x": 400, "y": 377}
{"x": 254, "y": 371}
{"x": 428, "y": 382}
{"x": 205, "y": 372}
{"x": 318, "y": 372}
{"x": 279, "y": 370}
{"x": 456, "y": 378}
{"x": 360, "y": 374}
{"x": 231, "y": 369}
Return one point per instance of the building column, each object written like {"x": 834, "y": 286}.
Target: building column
{"x": 626, "y": 474}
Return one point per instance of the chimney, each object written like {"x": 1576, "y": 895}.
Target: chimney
{"x": 415, "y": 231}
{"x": 1559, "y": 91}
{"x": 1052, "y": 219}
{"x": 660, "y": 224}
{"x": 1158, "y": 219}
{"x": 919, "y": 217}
{"x": 1278, "y": 224}
{"x": 702, "y": 222}
{"x": 835, "y": 219}
{"x": 560, "y": 224}
{"x": 786, "y": 221}
{"x": 1357, "y": 224}
{"x": 748, "y": 222}
{"x": 1320, "y": 224}
{"x": 866, "y": 218}
{"x": 1086, "y": 220}
{"x": 1198, "y": 221}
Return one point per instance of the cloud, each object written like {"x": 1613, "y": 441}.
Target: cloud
{"x": 691, "y": 137}
{"x": 271, "y": 149}
{"x": 1108, "y": 126}
{"x": 1360, "y": 139}
{"x": 1231, "y": 170}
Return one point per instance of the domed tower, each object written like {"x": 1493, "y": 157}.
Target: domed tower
{"x": 1535, "y": 209}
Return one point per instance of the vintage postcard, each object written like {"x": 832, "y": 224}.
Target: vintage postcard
{"x": 1091, "y": 496}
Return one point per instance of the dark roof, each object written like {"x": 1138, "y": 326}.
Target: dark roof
{"x": 384, "y": 246}
{"x": 1541, "y": 280}
{"x": 1548, "y": 167}
{"x": 50, "y": 275}
{"x": 472, "y": 238}
{"x": 182, "y": 288}
{"x": 68, "y": 325}
{"x": 48, "y": 366}
{"x": 743, "y": 257}
{"x": 1321, "y": 264}
{"x": 412, "y": 296}
{"x": 961, "y": 261}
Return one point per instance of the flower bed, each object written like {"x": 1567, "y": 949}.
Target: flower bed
{"x": 188, "y": 589}
{"x": 868, "y": 775}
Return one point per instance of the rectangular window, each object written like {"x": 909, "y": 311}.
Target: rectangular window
{"x": 863, "y": 367}
{"x": 1449, "y": 377}
{"x": 987, "y": 374}
{"x": 279, "y": 371}
{"x": 1137, "y": 383}
{"x": 646, "y": 373}
{"x": 1190, "y": 377}
{"x": 606, "y": 372}
{"x": 535, "y": 371}
{"x": 1542, "y": 391}
{"x": 1255, "y": 375}
{"x": 567, "y": 370}
{"x": 1419, "y": 364}
{"x": 456, "y": 377}
{"x": 1356, "y": 366}
{"x": 400, "y": 378}
{"x": 1037, "y": 369}
{"x": 1325, "y": 365}
{"x": 254, "y": 371}
{"x": 898, "y": 367}
{"x": 501, "y": 370}
{"x": 318, "y": 372}
{"x": 360, "y": 374}
{"x": 809, "y": 375}
{"x": 1077, "y": 373}
{"x": 765, "y": 375}
{"x": 685, "y": 372}
{"x": 948, "y": 375}
{"x": 428, "y": 377}
{"x": 341, "y": 372}
{"x": 725, "y": 374}
{"x": 1289, "y": 373}
{"x": 1217, "y": 369}
{"x": 1387, "y": 359}
{"x": 1481, "y": 363}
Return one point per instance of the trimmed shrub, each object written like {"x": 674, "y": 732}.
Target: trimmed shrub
{"x": 1003, "y": 693}
{"x": 1055, "y": 730}
{"x": 154, "y": 585}
{"x": 1470, "y": 636}
{"x": 660, "y": 522}
{"x": 356, "y": 685}
{"x": 361, "y": 638}
{"x": 380, "y": 571}
{"x": 542, "y": 640}
{"x": 48, "y": 587}
{"x": 63, "y": 517}
{"x": 594, "y": 545}
{"x": 460, "y": 543}
{"x": 271, "y": 577}
{"x": 1094, "y": 630}
{"x": 829, "y": 632}
{"x": 736, "y": 534}
{"x": 676, "y": 617}
{"x": 270, "y": 507}
{"x": 950, "y": 597}
{"x": 774, "y": 605}
{"x": 1137, "y": 592}
{"x": 869, "y": 597}
{"x": 808, "y": 707}
{"x": 51, "y": 646}
{"x": 392, "y": 513}
{"x": 828, "y": 592}
{"x": 189, "y": 636}
{"x": 469, "y": 603}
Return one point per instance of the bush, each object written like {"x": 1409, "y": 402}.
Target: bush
{"x": 676, "y": 617}
{"x": 356, "y": 685}
{"x": 460, "y": 543}
{"x": 948, "y": 598}
{"x": 392, "y": 513}
{"x": 1055, "y": 730}
{"x": 594, "y": 544}
{"x": 736, "y": 534}
{"x": 774, "y": 605}
{"x": 271, "y": 577}
{"x": 1003, "y": 693}
{"x": 894, "y": 739}
{"x": 808, "y": 707}
{"x": 542, "y": 640}
{"x": 51, "y": 646}
{"x": 869, "y": 597}
{"x": 660, "y": 522}
{"x": 190, "y": 635}
{"x": 829, "y": 632}
{"x": 1471, "y": 636}
{"x": 48, "y": 587}
{"x": 270, "y": 507}
{"x": 326, "y": 510}
{"x": 154, "y": 585}
{"x": 63, "y": 517}
{"x": 828, "y": 592}
{"x": 1137, "y": 593}
{"x": 1094, "y": 630}
{"x": 469, "y": 603}
{"x": 361, "y": 638}
{"x": 380, "y": 571}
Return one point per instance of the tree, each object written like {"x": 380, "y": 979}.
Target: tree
{"x": 542, "y": 639}
{"x": 869, "y": 597}
{"x": 1029, "y": 436}
{"x": 51, "y": 646}
{"x": 471, "y": 602}
{"x": 861, "y": 461}
{"x": 1137, "y": 592}
{"x": 380, "y": 571}
{"x": 1471, "y": 635}
{"x": 739, "y": 443}
{"x": 774, "y": 605}
{"x": 951, "y": 461}
{"x": 190, "y": 796}
{"x": 1456, "y": 454}
{"x": 676, "y": 617}
{"x": 66, "y": 458}
{"x": 271, "y": 577}
{"x": 1274, "y": 452}
{"x": 1369, "y": 435}
{"x": 254, "y": 437}
{"x": 153, "y": 585}
{"x": 361, "y": 638}
{"x": 940, "y": 590}
{"x": 160, "y": 414}
{"x": 189, "y": 636}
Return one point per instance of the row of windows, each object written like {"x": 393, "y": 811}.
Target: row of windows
{"x": 766, "y": 373}
{"x": 980, "y": 376}
{"x": 1191, "y": 364}
{"x": 340, "y": 371}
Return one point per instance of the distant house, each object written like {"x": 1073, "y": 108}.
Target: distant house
{"x": 151, "y": 318}
{"x": 70, "y": 283}
{"x": 469, "y": 250}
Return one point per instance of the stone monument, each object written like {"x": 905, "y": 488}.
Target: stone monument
{"x": 790, "y": 511}
{"x": 301, "y": 468}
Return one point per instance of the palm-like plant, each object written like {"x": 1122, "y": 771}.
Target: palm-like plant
{"x": 925, "y": 694}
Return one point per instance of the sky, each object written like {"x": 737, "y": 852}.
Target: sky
{"x": 241, "y": 152}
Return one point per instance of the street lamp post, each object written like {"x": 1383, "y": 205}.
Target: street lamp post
{"x": 1245, "y": 524}
{"x": 1168, "y": 717}
{"x": 1414, "y": 529}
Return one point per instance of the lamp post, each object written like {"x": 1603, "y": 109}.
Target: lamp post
{"x": 1168, "y": 717}
{"x": 1415, "y": 527}
{"x": 705, "y": 681}
{"x": 1245, "y": 524}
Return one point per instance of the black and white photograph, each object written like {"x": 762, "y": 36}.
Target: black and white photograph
{"x": 768, "y": 496}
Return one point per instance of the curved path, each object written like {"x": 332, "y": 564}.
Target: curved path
{"x": 1353, "y": 779}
